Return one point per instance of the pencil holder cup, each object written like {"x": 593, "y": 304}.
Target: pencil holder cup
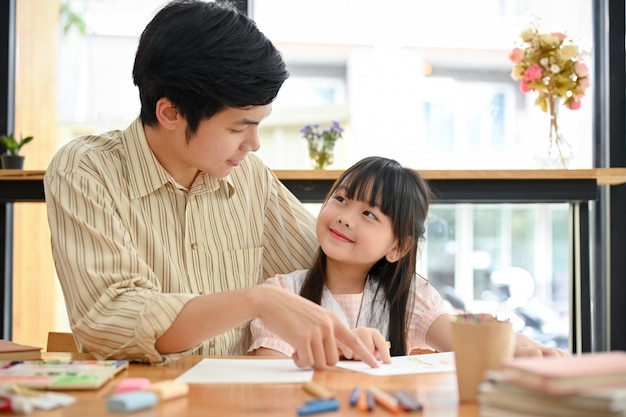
{"x": 479, "y": 347}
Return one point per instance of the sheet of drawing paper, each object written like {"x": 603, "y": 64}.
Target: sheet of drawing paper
{"x": 410, "y": 364}
{"x": 245, "y": 371}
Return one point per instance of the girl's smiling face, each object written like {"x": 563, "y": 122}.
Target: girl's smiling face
{"x": 354, "y": 232}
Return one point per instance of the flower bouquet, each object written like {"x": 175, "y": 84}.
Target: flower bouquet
{"x": 321, "y": 142}
{"x": 551, "y": 65}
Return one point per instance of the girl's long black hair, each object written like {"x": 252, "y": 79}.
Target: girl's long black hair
{"x": 402, "y": 195}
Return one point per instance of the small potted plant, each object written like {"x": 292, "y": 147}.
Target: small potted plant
{"x": 11, "y": 159}
{"x": 322, "y": 142}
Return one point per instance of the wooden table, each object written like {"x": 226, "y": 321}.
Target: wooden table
{"x": 437, "y": 391}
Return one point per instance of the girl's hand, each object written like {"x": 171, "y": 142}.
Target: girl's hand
{"x": 374, "y": 342}
{"x": 315, "y": 333}
{"x": 524, "y": 346}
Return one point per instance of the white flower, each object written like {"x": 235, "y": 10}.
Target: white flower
{"x": 555, "y": 69}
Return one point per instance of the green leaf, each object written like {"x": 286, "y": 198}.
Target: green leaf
{"x": 12, "y": 145}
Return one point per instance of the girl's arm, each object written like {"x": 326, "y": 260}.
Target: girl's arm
{"x": 268, "y": 353}
{"x": 524, "y": 346}
{"x": 439, "y": 334}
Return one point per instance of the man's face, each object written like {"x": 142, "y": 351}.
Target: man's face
{"x": 224, "y": 140}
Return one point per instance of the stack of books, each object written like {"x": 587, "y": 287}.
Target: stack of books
{"x": 585, "y": 385}
{"x": 11, "y": 351}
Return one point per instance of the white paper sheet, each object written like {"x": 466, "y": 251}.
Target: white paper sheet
{"x": 245, "y": 371}
{"x": 411, "y": 364}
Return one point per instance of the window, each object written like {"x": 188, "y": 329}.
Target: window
{"x": 408, "y": 80}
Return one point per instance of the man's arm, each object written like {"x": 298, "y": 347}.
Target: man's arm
{"x": 314, "y": 332}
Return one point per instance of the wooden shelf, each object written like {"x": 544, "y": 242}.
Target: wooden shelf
{"x": 603, "y": 176}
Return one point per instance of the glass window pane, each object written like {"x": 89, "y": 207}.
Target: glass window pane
{"x": 435, "y": 84}
{"x": 511, "y": 260}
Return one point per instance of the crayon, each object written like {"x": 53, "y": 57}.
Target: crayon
{"x": 132, "y": 398}
{"x": 371, "y": 400}
{"x": 169, "y": 389}
{"x": 132, "y": 384}
{"x": 354, "y": 397}
{"x": 361, "y": 404}
{"x": 386, "y": 400}
{"x": 318, "y": 406}
{"x": 407, "y": 401}
{"x": 317, "y": 390}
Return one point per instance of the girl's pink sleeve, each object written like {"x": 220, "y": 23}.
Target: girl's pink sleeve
{"x": 427, "y": 306}
{"x": 261, "y": 337}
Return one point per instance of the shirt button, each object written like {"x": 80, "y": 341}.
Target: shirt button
{"x": 194, "y": 246}
{"x": 212, "y": 344}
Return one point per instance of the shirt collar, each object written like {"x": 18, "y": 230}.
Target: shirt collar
{"x": 146, "y": 174}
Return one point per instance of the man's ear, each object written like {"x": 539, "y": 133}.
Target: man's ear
{"x": 396, "y": 252}
{"x": 167, "y": 114}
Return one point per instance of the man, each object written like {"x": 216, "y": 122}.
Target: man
{"x": 161, "y": 232}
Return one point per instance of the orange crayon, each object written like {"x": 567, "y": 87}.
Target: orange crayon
{"x": 386, "y": 400}
{"x": 361, "y": 403}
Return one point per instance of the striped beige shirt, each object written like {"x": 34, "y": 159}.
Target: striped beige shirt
{"x": 131, "y": 246}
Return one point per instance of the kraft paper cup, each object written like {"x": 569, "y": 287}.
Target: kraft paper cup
{"x": 477, "y": 348}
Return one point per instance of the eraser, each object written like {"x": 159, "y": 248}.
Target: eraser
{"x": 131, "y": 401}
{"x": 132, "y": 384}
{"x": 169, "y": 389}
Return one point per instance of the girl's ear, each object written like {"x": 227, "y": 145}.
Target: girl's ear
{"x": 396, "y": 252}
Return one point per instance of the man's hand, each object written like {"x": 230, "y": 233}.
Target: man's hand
{"x": 527, "y": 347}
{"x": 314, "y": 332}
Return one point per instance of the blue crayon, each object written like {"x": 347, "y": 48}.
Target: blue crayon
{"x": 318, "y": 406}
{"x": 354, "y": 397}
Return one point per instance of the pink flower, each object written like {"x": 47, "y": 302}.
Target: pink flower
{"x": 572, "y": 104}
{"x": 523, "y": 85}
{"x": 584, "y": 83}
{"x": 516, "y": 55}
{"x": 581, "y": 69}
{"x": 533, "y": 73}
{"x": 551, "y": 65}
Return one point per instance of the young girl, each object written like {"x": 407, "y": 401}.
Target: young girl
{"x": 369, "y": 229}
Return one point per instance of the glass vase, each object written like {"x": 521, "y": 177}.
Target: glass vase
{"x": 556, "y": 151}
{"x": 321, "y": 153}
